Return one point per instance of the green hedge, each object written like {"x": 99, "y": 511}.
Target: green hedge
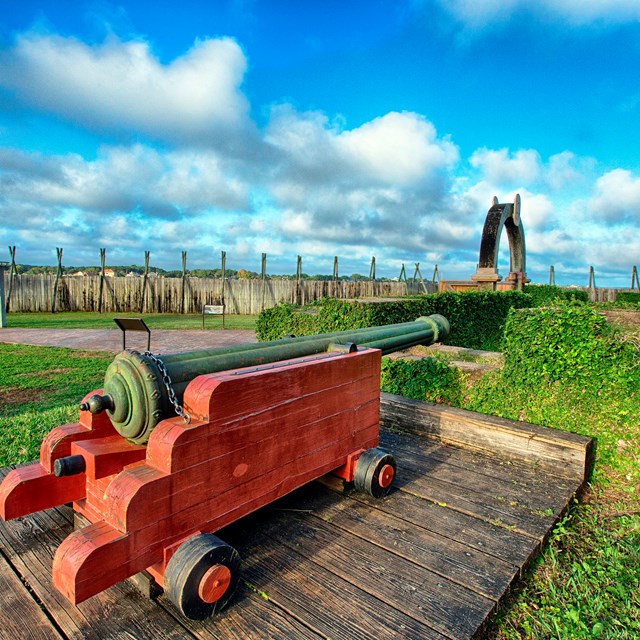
{"x": 477, "y": 318}
{"x": 628, "y": 297}
{"x": 564, "y": 367}
{"x": 543, "y": 295}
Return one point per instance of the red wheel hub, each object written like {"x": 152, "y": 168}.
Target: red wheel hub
{"x": 214, "y": 583}
{"x": 385, "y": 478}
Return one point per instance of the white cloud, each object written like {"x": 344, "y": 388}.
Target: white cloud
{"x": 502, "y": 168}
{"x": 124, "y": 179}
{"x": 122, "y": 86}
{"x": 616, "y": 197}
{"x": 561, "y": 170}
{"x": 398, "y": 148}
{"x": 384, "y": 183}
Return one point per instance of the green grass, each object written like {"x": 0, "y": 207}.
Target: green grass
{"x": 82, "y": 320}
{"x": 566, "y": 369}
{"x": 586, "y": 584}
{"x": 40, "y": 388}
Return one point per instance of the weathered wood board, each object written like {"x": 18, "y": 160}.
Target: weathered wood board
{"x": 434, "y": 559}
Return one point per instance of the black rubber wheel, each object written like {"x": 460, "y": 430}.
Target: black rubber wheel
{"x": 202, "y": 575}
{"x": 374, "y": 473}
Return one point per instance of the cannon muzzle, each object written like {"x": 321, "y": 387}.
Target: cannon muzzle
{"x": 140, "y": 390}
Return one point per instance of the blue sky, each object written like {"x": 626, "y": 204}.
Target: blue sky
{"x": 321, "y": 128}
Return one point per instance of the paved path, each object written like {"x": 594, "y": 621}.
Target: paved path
{"x": 162, "y": 340}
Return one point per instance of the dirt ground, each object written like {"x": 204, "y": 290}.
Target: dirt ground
{"x": 628, "y": 321}
{"x": 162, "y": 340}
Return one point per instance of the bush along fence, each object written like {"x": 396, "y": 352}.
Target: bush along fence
{"x": 477, "y": 318}
{"x": 182, "y": 295}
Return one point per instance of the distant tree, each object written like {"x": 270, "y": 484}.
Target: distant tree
{"x": 34, "y": 271}
{"x": 202, "y": 273}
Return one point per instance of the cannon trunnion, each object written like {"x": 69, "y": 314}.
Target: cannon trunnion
{"x": 255, "y": 433}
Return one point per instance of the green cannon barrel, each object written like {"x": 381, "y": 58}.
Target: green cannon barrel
{"x": 138, "y": 387}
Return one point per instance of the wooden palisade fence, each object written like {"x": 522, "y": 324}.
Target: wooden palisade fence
{"x": 165, "y": 295}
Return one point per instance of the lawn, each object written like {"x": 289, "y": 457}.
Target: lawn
{"x": 86, "y": 320}
{"x": 40, "y": 388}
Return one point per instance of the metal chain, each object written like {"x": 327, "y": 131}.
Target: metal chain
{"x": 169, "y": 387}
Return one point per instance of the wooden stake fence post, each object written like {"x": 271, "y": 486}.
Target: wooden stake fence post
{"x": 223, "y": 261}
{"x": 144, "y": 279}
{"x": 552, "y": 276}
{"x": 417, "y": 273}
{"x": 103, "y": 259}
{"x": 298, "y": 299}
{"x": 592, "y": 279}
{"x": 184, "y": 276}
{"x": 372, "y": 275}
{"x": 12, "y": 274}
{"x": 3, "y": 313}
{"x": 634, "y": 278}
{"x": 436, "y": 276}
{"x": 55, "y": 284}
{"x": 403, "y": 276}
{"x": 263, "y": 276}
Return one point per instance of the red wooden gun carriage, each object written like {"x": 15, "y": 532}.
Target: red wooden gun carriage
{"x": 155, "y": 478}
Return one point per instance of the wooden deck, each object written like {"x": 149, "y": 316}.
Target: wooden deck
{"x": 475, "y": 498}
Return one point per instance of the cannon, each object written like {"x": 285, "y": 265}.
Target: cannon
{"x": 176, "y": 447}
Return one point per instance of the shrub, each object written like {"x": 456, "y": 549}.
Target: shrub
{"x": 627, "y": 297}
{"x": 570, "y": 342}
{"x": 565, "y": 367}
{"x": 426, "y": 379}
{"x": 543, "y": 295}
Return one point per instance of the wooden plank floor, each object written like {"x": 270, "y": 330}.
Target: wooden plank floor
{"x": 431, "y": 560}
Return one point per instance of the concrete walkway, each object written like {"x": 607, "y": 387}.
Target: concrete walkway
{"x": 162, "y": 340}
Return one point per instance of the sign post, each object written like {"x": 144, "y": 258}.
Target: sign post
{"x": 3, "y": 305}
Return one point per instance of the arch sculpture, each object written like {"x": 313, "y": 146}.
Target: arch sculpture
{"x": 502, "y": 216}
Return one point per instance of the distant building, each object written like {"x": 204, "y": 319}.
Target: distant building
{"x": 109, "y": 273}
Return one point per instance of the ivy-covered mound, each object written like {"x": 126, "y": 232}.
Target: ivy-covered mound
{"x": 477, "y": 318}
{"x": 565, "y": 367}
